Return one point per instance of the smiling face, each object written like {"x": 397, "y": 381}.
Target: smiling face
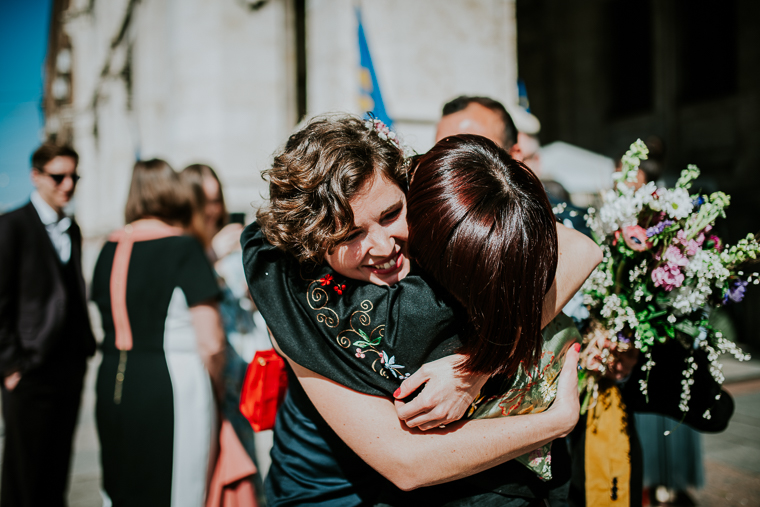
{"x": 57, "y": 195}
{"x": 375, "y": 249}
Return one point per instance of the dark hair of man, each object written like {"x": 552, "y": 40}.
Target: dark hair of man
{"x": 157, "y": 192}
{"x": 49, "y": 151}
{"x": 313, "y": 179}
{"x": 509, "y": 136}
{"x": 481, "y": 224}
{"x": 194, "y": 175}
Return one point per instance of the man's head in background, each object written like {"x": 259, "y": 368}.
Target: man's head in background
{"x": 54, "y": 174}
{"x": 482, "y": 116}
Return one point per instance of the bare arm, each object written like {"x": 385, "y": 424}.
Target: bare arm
{"x": 209, "y": 333}
{"x": 368, "y": 424}
{"x": 578, "y": 256}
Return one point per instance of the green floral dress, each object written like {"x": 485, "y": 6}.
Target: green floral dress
{"x": 533, "y": 391}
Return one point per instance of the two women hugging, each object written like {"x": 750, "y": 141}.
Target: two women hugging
{"x": 442, "y": 276}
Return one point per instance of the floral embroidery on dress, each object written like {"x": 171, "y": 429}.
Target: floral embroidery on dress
{"x": 541, "y": 379}
{"x": 390, "y": 365}
{"x": 318, "y": 297}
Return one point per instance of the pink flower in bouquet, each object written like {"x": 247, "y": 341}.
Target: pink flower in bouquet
{"x": 693, "y": 245}
{"x": 636, "y": 238}
{"x": 717, "y": 243}
{"x": 668, "y": 276}
{"x": 674, "y": 256}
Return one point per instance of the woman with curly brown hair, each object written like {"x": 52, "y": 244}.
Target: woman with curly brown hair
{"x": 337, "y": 218}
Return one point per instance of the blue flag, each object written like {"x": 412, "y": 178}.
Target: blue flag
{"x": 370, "y": 100}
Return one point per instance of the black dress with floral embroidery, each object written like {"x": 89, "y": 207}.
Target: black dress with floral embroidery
{"x": 368, "y": 338}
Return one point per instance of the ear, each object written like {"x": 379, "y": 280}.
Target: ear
{"x": 35, "y": 175}
{"x": 515, "y": 152}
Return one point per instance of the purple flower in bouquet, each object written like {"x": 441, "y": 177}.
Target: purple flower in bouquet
{"x": 658, "y": 228}
{"x": 736, "y": 293}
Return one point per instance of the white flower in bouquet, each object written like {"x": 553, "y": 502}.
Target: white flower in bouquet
{"x": 676, "y": 202}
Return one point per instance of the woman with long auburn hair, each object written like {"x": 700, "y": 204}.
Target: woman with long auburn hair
{"x": 329, "y": 268}
{"x": 492, "y": 245}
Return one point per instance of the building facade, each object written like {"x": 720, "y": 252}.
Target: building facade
{"x": 224, "y": 82}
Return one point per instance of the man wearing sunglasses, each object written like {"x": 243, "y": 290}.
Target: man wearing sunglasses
{"x": 45, "y": 334}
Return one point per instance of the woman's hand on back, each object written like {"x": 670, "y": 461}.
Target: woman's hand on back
{"x": 445, "y": 396}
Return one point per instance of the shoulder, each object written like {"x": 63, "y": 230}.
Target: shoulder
{"x": 184, "y": 245}
{"x": 181, "y": 250}
{"x": 19, "y": 215}
{"x": 253, "y": 240}
{"x": 16, "y": 223}
{"x": 186, "y": 242}
{"x": 259, "y": 255}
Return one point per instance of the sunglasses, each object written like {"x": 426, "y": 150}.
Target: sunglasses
{"x": 58, "y": 178}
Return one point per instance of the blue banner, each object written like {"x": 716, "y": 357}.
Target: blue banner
{"x": 371, "y": 100}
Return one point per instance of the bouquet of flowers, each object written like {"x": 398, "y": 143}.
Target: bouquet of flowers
{"x": 662, "y": 273}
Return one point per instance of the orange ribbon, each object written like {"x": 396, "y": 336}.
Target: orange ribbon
{"x": 140, "y": 230}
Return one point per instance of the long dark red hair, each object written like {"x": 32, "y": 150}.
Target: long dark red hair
{"x": 481, "y": 224}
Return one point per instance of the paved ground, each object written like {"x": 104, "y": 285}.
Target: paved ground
{"x": 732, "y": 458}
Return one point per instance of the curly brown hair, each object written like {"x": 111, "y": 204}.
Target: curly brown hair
{"x": 313, "y": 179}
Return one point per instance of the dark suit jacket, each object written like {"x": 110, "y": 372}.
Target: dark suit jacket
{"x": 33, "y": 299}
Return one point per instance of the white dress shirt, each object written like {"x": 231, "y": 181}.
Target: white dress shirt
{"x": 57, "y": 228}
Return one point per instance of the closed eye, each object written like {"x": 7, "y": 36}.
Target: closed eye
{"x": 391, "y": 215}
{"x": 353, "y": 236}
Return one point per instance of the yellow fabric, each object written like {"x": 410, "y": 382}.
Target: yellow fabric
{"x": 608, "y": 450}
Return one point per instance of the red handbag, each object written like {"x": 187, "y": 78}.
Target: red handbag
{"x": 264, "y": 389}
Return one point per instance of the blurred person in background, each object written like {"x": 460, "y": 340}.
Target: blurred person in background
{"x": 651, "y": 168}
{"x": 489, "y": 118}
{"x": 530, "y": 150}
{"x": 163, "y": 350}
{"x": 45, "y": 334}
{"x": 482, "y": 116}
{"x": 244, "y": 327}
